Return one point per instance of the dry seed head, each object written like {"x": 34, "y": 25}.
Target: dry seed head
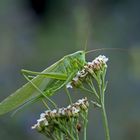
{"x": 99, "y": 61}
{"x": 79, "y": 126}
{"x": 71, "y": 111}
{"x": 90, "y": 67}
{"x": 75, "y": 110}
{"x": 68, "y": 112}
{"x": 53, "y": 113}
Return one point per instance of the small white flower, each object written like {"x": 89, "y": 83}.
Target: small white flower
{"x": 80, "y": 101}
{"x": 77, "y": 103}
{"x": 69, "y": 85}
{"x": 42, "y": 115}
{"x": 62, "y": 111}
{"x": 78, "y": 73}
{"x": 102, "y": 58}
{"x": 41, "y": 120}
{"x": 95, "y": 61}
{"x": 34, "y": 126}
{"x": 46, "y": 123}
{"x": 59, "y": 111}
{"x": 54, "y": 111}
{"x": 47, "y": 111}
{"x": 75, "y": 110}
{"x": 83, "y": 73}
{"x": 89, "y": 63}
{"x": 68, "y": 106}
{"x": 75, "y": 79}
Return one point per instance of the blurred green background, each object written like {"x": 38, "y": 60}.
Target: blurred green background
{"x": 36, "y": 33}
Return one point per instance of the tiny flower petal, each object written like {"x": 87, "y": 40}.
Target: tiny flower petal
{"x": 34, "y": 126}
{"x": 46, "y": 123}
{"x": 78, "y": 74}
{"x": 102, "y": 58}
{"x": 75, "y": 79}
{"x": 75, "y": 110}
{"x": 54, "y": 111}
{"x": 69, "y": 85}
{"x": 89, "y": 63}
{"x": 42, "y": 115}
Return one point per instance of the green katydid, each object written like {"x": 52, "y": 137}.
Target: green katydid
{"x": 47, "y": 82}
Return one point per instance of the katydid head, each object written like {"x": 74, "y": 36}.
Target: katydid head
{"x": 79, "y": 56}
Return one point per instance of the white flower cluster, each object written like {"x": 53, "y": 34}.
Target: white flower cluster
{"x": 75, "y": 81}
{"x": 48, "y": 116}
{"x": 95, "y": 65}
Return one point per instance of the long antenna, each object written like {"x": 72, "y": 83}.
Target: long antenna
{"x": 86, "y": 41}
{"x": 101, "y": 49}
{"x": 85, "y": 47}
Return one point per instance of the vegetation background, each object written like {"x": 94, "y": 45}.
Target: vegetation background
{"x": 36, "y": 33}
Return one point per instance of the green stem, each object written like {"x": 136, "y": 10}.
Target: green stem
{"x": 70, "y": 126}
{"x": 77, "y": 136}
{"x": 62, "y": 126}
{"x": 68, "y": 94}
{"x": 105, "y": 122}
{"x": 85, "y": 124}
{"x": 61, "y": 137}
{"x": 93, "y": 89}
{"x": 45, "y": 104}
{"x": 85, "y": 89}
{"x": 85, "y": 133}
{"x": 101, "y": 85}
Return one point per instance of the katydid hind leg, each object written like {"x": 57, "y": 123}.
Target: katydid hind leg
{"x": 68, "y": 94}
{"x": 55, "y": 75}
{"x": 40, "y": 91}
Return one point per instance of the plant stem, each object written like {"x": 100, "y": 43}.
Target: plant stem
{"x": 85, "y": 124}
{"x": 68, "y": 94}
{"x": 77, "y": 136}
{"x": 105, "y": 122}
{"x": 85, "y": 133}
